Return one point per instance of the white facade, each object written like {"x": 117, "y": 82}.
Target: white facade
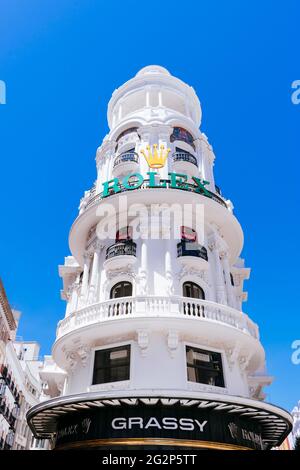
{"x": 159, "y": 321}
{"x": 20, "y": 386}
{"x": 296, "y": 425}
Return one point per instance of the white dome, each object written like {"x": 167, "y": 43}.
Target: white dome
{"x": 150, "y": 69}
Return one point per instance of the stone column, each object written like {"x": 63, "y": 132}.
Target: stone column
{"x": 143, "y": 284}
{"x": 219, "y": 278}
{"x": 145, "y": 136}
{"x": 207, "y": 157}
{"x": 168, "y": 266}
{"x": 85, "y": 278}
{"x": 226, "y": 267}
{"x": 164, "y": 133}
{"x": 95, "y": 273}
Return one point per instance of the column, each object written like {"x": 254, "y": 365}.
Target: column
{"x": 143, "y": 276}
{"x": 164, "y": 139}
{"x": 94, "y": 275}
{"x": 226, "y": 267}
{"x": 168, "y": 265}
{"x": 219, "y": 278}
{"x": 85, "y": 278}
{"x": 145, "y": 136}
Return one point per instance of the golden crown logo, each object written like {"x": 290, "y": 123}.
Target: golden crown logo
{"x": 156, "y": 159}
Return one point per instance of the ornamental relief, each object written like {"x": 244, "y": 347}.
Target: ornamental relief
{"x": 196, "y": 273}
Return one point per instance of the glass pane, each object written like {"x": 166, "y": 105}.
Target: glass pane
{"x": 122, "y": 289}
{"x": 188, "y": 233}
{"x": 111, "y": 365}
{"x": 204, "y": 367}
{"x": 119, "y": 373}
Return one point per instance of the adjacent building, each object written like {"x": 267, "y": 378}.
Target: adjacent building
{"x": 20, "y": 386}
{"x": 155, "y": 350}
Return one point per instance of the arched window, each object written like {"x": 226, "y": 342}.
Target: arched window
{"x": 122, "y": 289}
{"x": 190, "y": 289}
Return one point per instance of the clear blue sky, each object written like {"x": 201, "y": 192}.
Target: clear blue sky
{"x": 62, "y": 60}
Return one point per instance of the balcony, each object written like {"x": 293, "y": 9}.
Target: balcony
{"x": 120, "y": 254}
{"x": 9, "y": 415}
{"x": 185, "y": 162}
{"x": 192, "y": 255}
{"x": 149, "y": 308}
{"x": 127, "y": 162}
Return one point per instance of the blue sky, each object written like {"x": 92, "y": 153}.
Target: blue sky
{"x": 62, "y": 60}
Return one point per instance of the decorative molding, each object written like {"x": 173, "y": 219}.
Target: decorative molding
{"x": 142, "y": 283}
{"x": 200, "y": 274}
{"x": 83, "y": 352}
{"x": 95, "y": 245}
{"x": 232, "y": 355}
{"x": 71, "y": 358}
{"x": 173, "y": 342}
{"x": 143, "y": 341}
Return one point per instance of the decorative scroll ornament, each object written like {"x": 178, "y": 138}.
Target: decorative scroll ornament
{"x": 143, "y": 341}
{"x": 156, "y": 159}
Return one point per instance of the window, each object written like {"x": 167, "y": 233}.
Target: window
{"x": 182, "y": 134}
{"x": 124, "y": 234}
{"x": 188, "y": 234}
{"x": 190, "y": 289}
{"x": 111, "y": 365}
{"x": 204, "y": 367}
{"x": 127, "y": 131}
{"x": 122, "y": 289}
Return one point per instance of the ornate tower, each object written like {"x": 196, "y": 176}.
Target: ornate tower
{"x": 155, "y": 347}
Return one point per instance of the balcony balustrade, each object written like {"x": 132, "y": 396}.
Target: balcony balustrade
{"x": 186, "y": 163}
{"x": 192, "y": 254}
{"x": 184, "y": 157}
{"x": 125, "y": 163}
{"x": 126, "y": 157}
{"x": 186, "y": 248}
{"x": 6, "y": 379}
{"x": 120, "y": 253}
{"x": 121, "y": 249}
{"x": 153, "y": 306}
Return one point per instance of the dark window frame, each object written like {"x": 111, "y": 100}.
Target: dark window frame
{"x": 206, "y": 372}
{"x": 106, "y": 372}
{"x": 124, "y": 237}
{"x": 122, "y": 285}
{"x": 192, "y": 285}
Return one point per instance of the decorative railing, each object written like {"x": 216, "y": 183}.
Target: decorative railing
{"x": 185, "y": 248}
{"x": 121, "y": 248}
{"x": 6, "y": 378}
{"x": 153, "y": 306}
{"x": 126, "y": 157}
{"x": 7, "y": 413}
{"x": 184, "y": 157}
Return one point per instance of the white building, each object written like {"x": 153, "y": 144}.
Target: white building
{"x": 155, "y": 346}
{"x": 20, "y": 385}
{"x": 296, "y": 425}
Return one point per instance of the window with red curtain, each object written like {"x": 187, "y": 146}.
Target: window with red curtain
{"x": 188, "y": 234}
{"x": 123, "y": 234}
